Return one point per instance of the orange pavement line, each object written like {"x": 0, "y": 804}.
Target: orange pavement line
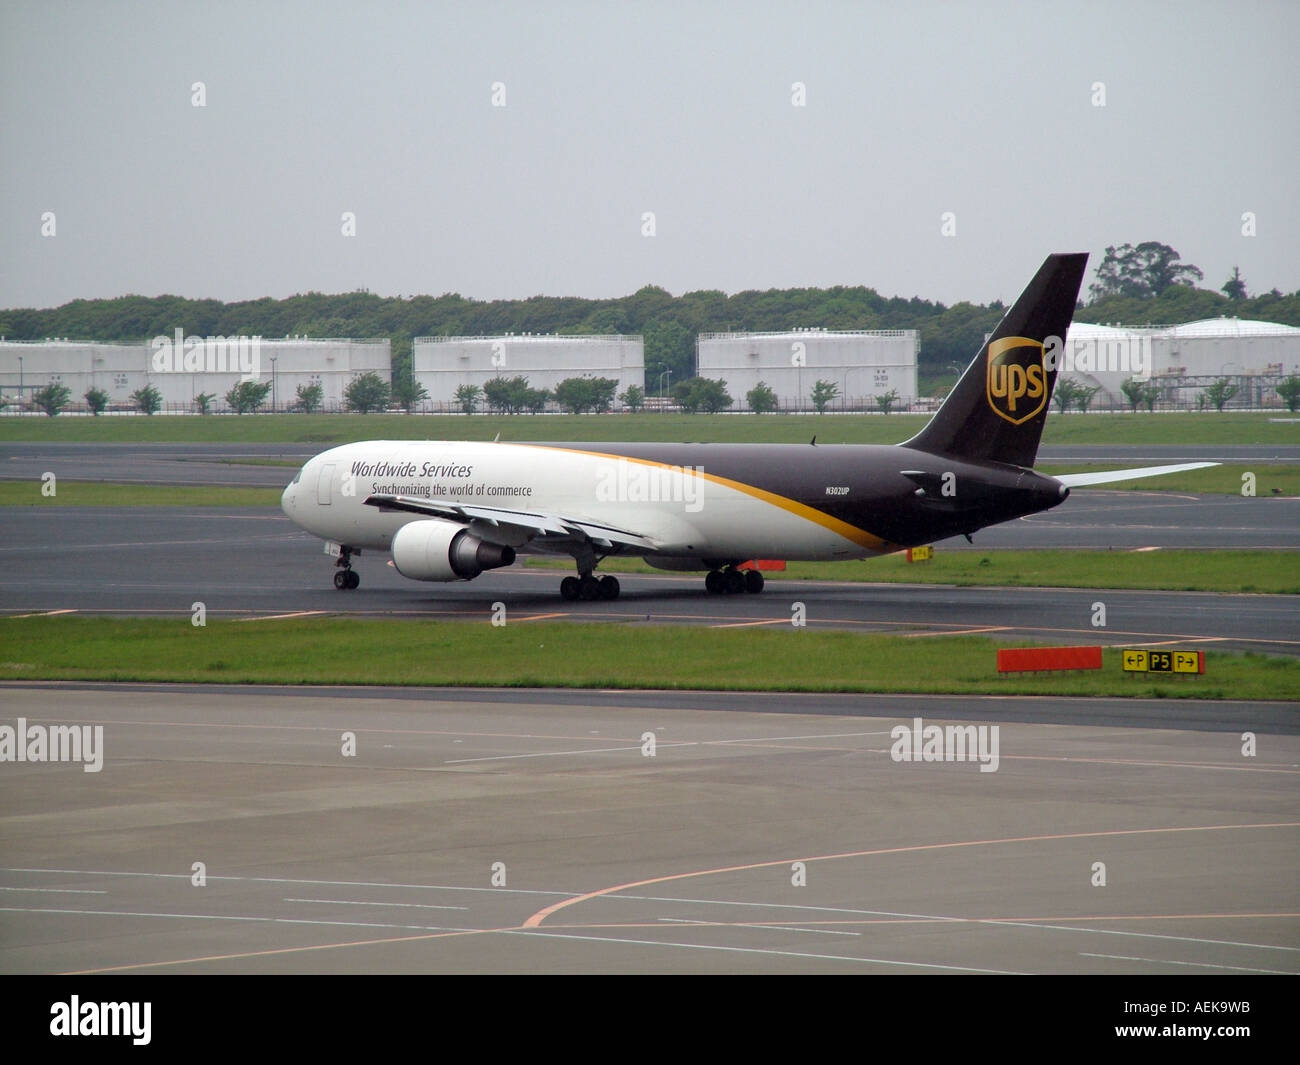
{"x": 795, "y": 919}
{"x": 536, "y": 919}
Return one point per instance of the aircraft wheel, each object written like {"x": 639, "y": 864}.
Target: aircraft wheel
{"x": 354, "y": 579}
{"x": 341, "y": 579}
{"x": 589, "y": 588}
{"x": 735, "y": 581}
{"x": 570, "y": 588}
{"x": 753, "y": 581}
{"x": 714, "y": 582}
{"x": 609, "y": 587}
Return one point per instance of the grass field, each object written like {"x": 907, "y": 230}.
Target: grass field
{"x": 1272, "y": 572}
{"x": 541, "y": 654}
{"x": 325, "y": 429}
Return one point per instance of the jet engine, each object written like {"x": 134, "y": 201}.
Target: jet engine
{"x": 434, "y": 550}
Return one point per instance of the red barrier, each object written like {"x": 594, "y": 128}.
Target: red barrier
{"x": 1033, "y": 659}
{"x": 763, "y": 564}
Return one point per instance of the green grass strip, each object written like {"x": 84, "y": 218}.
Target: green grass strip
{"x": 539, "y": 654}
{"x": 1273, "y": 572}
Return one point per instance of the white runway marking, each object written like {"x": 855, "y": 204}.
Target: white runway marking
{"x": 233, "y": 917}
{"x": 243, "y": 917}
{"x": 404, "y": 905}
{"x": 1139, "y": 935}
{"x": 556, "y": 754}
{"x": 788, "y": 906}
{"x": 773, "y": 927}
{"x": 661, "y": 744}
{"x": 765, "y": 951}
{"x": 287, "y": 880}
{"x": 1193, "y": 964}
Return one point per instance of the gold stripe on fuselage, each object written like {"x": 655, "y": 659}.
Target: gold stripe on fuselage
{"x": 861, "y": 537}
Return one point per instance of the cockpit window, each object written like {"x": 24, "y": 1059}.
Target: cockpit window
{"x": 298, "y": 476}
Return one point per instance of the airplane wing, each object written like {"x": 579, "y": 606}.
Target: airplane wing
{"x": 1075, "y": 480}
{"x": 552, "y": 527}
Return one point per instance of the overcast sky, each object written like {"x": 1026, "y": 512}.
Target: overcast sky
{"x": 612, "y": 110}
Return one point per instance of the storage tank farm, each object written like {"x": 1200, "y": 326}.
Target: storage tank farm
{"x": 183, "y": 365}
{"x": 1183, "y": 360}
{"x": 443, "y": 364}
{"x": 861, "y": 364}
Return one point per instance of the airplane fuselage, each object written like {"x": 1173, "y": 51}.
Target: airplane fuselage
{"x": 451, "y": 510}
{"x": 716, "y": 503}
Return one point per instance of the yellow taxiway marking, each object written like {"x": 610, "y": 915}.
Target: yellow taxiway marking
{"x": 749, "y": 624}
{"x": 542, "y": 617}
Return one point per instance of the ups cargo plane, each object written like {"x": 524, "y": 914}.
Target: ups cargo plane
{"x": 447, "y": 511}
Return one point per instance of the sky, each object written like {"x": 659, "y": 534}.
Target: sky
{"x": 506, "y": 150}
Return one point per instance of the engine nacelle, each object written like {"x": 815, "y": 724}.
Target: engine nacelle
{"x": 434, "y": 550}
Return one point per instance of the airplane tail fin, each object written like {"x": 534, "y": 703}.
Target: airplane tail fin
{"x": 997, "y": 409}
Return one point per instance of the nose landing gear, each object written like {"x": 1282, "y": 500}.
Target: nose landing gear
{"x": 345, "y": 577}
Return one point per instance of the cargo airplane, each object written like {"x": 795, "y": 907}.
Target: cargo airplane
{"x": 448, "y": 511}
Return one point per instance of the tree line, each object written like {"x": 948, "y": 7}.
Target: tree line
{"x": 1140, "y": 285}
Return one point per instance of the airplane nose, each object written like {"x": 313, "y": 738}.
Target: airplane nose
{"x": 286, "y": 500}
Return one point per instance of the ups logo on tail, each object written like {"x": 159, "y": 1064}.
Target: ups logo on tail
{"x": 1017, "y": 379}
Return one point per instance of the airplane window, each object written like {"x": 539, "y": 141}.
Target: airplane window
{"x": 297, "y": 477}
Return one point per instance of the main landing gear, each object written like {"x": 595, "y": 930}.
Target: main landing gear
{"x": 345, "y": 577}
{"x": 732, "y": 581}
{"x": 589, "y": 586}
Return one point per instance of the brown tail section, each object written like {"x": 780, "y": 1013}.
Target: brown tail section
{"x": 997, "y": 410}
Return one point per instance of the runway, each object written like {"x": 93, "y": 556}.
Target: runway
{"x": 531, "y": 832}
{"x": 254, "y": 562}
{"x": 220, "y": 464}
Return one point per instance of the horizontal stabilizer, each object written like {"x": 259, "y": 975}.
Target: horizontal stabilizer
{"x": 1076, "y": 480}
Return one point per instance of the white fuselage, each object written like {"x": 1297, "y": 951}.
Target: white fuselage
{"x": 682, "y": 511}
